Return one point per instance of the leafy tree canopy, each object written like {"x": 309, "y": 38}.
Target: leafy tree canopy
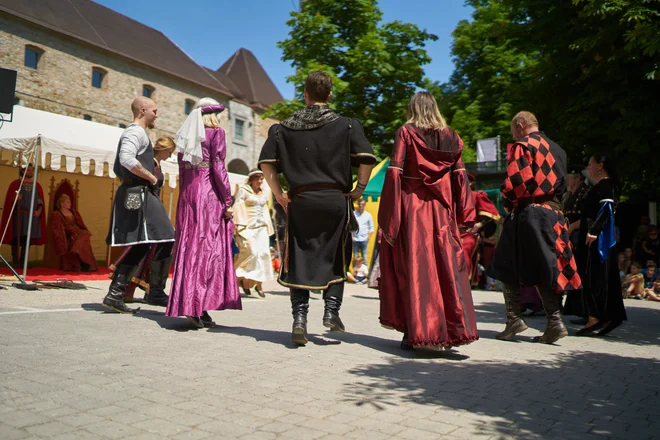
{"x": 376, "y": 67}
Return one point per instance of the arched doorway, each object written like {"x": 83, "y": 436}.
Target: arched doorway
{"x": 237, "y": 166}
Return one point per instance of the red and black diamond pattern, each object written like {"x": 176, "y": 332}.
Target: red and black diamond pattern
{"x": 567, "y": 277}
{"x": 531, "y": 170}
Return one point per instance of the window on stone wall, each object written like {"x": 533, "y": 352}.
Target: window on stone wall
{"x": 239, "y": 126}
{"x": 147, "y": 91}
{"x": 98, "y": 75}
{"x": 86, "y": 118}
{"x": 188, "y": 106}
{"x": 32, "y": 57}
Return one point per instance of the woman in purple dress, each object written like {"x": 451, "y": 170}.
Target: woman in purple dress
{"x": 204, "y": 278}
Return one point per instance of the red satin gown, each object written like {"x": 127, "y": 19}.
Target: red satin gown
{"x": 424, "y": 287}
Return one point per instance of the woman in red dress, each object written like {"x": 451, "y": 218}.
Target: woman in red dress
{"x": 72, "y": 238}
{"x": 424, "y": 286}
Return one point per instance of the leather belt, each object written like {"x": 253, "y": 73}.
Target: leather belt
{"x": 316, "y": 187}
{"x": 203, "y": 164}
{"x": 548, "y": 200}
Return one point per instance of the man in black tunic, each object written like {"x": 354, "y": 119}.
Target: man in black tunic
{"x": 576, "y": 190}
{"x": 139, "y": 218}
{"x": 315, "y": 149}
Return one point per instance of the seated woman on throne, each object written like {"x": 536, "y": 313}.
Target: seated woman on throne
{"x": 71, "y": 238}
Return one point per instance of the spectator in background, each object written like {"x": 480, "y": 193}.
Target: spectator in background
{"x": 628, "y": 254}
{"x": 362, "y": 236}
{"x": 624, "y": 265}
{"x": 650, "y": 273}
{"x": 639, "y": 236}
{"x": 360, "y": 271}
{"x": 653, "y": 294}
{"x": 650, "y": 248}
{"x": 633, "y": 283}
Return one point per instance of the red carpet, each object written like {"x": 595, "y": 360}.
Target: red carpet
{"x": 46, "y": 274}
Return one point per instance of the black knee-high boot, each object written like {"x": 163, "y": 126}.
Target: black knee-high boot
{"x": 159, "y": 270}
{"x": 114, "y": 300}
{"x": 555, "y": 328}
{"x": 514, "y": 322}
{"x": 333, "y": 297}
{"x": 299, "y": 308}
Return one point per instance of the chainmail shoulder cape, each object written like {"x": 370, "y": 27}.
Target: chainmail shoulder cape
{"x": 311, "y": 117}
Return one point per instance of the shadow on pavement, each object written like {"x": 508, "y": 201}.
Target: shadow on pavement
{"x": 575, "y": 394}
{"x": 273, "y": 336}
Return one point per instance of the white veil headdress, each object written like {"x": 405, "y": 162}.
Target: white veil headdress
{"x": 190, "y": 136}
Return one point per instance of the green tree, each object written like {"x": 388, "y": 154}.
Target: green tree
{"x": 492, "y": 74}
{"x": 376, "y": 67}
{"x": 598, "y": 81}
{"x": 587, "y": 68}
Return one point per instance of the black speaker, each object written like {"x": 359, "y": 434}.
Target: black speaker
{"x": 7, "y": 90}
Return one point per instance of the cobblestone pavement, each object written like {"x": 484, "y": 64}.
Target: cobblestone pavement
{"x": 68, "y": 370}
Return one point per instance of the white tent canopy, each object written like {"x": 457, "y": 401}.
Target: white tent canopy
{"x": 61, "y": 136}
{"x": 72, "y": 138}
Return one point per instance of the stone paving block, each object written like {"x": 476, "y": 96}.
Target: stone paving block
{"x": 128, "y": 417}
{"x": 21, "y": 419}
{"x": 193, "y": 434}
{"x": 163, "y": 428}
{"x": 77, "y": 435}
{"x": 225, "y": 428}
{"x": 276, "y": 427}
{"x": 298, "y": 433}
{"x": 342, "y": 418}
{"x": 429, "y": 425}
{"x": 369, "y": 424}
{"x": 49, "y": 429}
{"x": 327, "y": 426}
{"x": 112, "y": 430}
{"x": 8, "y": 432}
{"x": 416, "y": 434}
{"x": 103, "y": 410}
{"x": 468, "y": 434}
{"x": 80, "y": 419}
{"x": 259, "y": 435}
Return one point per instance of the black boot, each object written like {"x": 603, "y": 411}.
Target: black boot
{"x": 333, "y": 298}
{"x": 514, "y": 322}
{"x": 299, "y": 308}
{"x": 114, "y": 300}
{"x": 555, "y": 328}
{"x": 159, "y": 270}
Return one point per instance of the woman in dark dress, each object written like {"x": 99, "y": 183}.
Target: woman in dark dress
{"x": 602, "y": 287}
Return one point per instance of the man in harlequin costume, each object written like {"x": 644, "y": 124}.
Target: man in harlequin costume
{"x": 16, "y": 234}
{"x": 487, "y": 216}
{"x": 534, "y": 249}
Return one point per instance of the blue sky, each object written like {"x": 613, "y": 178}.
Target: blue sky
{"x": 212, "y": 30}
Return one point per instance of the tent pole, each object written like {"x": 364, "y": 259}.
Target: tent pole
{"x": 37, "y": 153}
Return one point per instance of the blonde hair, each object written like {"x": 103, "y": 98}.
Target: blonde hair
{"x": 61, "y": 200}
{"x": 164, "y": 143}
{"x": 526, "y": 119}
{"x": 423, "y": 112}
{"x": 210, "y": 119}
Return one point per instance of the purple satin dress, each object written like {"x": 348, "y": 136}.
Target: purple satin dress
{"x": 204, "y": 277}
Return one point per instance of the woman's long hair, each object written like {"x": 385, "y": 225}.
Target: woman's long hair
{"x": 164, "y": 143}
{"x": 423, "y": 112}
{"x": 210, "y": 119}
